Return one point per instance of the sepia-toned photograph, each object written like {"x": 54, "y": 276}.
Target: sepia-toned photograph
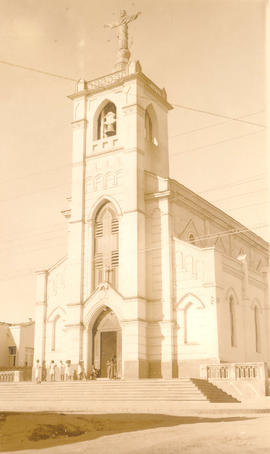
{"x": 135, "y": 227}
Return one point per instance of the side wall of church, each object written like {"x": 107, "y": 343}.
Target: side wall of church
{"x": 52, "y": 342}
{"x": 207, "y": 271}
{"x": 243, "y": 335}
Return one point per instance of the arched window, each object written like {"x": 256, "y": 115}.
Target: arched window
{"x": 232, "y": 321}
{"x": 191, "y": 238}
{"x": 151, "y": 128}
{"x": 148, "y": 127}
{"x": 107, "y": 124}
{"x": 106, "y": 255}
{"x": 257, "y": 329}
{"x": 57, "y": 328}
{"x": 192, "y": 324}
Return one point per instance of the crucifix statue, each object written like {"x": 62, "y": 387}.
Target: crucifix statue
{"x": 122, "y": 26}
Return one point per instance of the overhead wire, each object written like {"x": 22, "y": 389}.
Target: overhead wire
{"x": 181, "y": 106}
{"x": 189, "y": 132}
{"x": 35, "y": 174}
{"x": 221, "y": 233}
{"x": 40, "y": 71}
{"x": 192, "y": 131}
{"x": 227, "y": 117}
{"x": 216, "y": 143}
{"x": 158, "y": 248}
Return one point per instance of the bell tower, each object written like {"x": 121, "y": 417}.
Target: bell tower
{"x": 120, "y": 133}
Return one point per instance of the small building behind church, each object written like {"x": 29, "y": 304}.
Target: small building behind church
{"x": 154, "y": 274}
{"x": 16, "y": 345}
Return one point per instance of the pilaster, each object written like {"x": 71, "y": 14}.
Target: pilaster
{"x": 41, "y": 315}
{"x": 76, "y": 237}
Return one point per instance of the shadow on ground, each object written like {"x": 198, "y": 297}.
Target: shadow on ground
{"x": 41, "y": 430}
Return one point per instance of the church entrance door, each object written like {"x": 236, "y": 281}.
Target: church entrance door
{"x": 108, "y": 349}
{"x": 106, "y": 342}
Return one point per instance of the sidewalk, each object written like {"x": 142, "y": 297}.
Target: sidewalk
{"x": 260, "y": 405}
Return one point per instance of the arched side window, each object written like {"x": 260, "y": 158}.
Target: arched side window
{"x": 148, "y": 127}
{"x": 232, "y": 321}
{"x": 191, "y": 238}
{"x": 192, "y": 324}
{"x": 150, "y": 124}
{"x": 107, "y": 122}
{"x": 106, "y": 254}
{"x": 257, "y": 329}
{"x": 57, "y": 328}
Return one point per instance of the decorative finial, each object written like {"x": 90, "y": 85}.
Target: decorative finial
{"x": 123, "y": 54}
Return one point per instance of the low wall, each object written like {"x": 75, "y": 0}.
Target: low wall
{"x": 11, "y": 376}
{"x": 242, "y": 380}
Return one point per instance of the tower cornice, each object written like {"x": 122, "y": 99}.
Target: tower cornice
{"x": 118, "y": 78}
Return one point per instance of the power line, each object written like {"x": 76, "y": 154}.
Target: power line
{"x": 211, "y": 236}
{"x": 34, "y": 192}
{"x": 239, "y": 195}
{"x": 227, "y": 117}
{"x": 248, "y": 206}
{"x": 35, "y": 173}
{"x": 25, "y": 243}
{"x": 28, "y": 68}
{"x": 210, "y": 126}
{"x": 238, "y": 183}
{"x": 32, "y": 233}
{"x": 53, "y": 244}
{"x": 216, "y": 143}
{"x": 193, "y": 109}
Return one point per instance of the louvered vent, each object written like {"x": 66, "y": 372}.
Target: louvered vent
{"x": 99, "y": 229}
{"x": 98, "y": 261}
{"x": 115, "y": 259}
{"x": 115, "y": 226}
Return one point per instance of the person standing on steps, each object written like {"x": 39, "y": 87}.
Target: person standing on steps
{"x": 67, "y": 371}
{"x": 62, "y": 370}
{"x": 52, "y": 371}
{"x": 44, "y": 371}
{"x": 109, "y": 368}
{"x": 79, "y": 371}
{"x": 114, "y": 367}
{"x": 38, "y": 372}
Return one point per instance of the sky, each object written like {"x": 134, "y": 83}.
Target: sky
{"x": 210, "y": 55}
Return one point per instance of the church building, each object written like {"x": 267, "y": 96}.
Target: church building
{"x": 154, "y": 274}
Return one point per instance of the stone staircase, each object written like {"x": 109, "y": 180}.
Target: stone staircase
{"x": 102, "y": 390}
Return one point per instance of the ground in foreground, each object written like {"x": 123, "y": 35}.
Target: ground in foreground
{"x": 134, "y": 433}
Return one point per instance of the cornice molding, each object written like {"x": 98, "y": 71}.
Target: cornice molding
{"x": 158, "y": 94}
{"x": 183, "y": 195}
{"x": 158, "y": 195}
{"x": 79, "y": 124}
{"x": 229, "y": 269}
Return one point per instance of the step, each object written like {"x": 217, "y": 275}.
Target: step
{"x": 114, "y": 390}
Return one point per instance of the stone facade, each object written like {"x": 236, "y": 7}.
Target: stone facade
{"x": 154, "y": 274}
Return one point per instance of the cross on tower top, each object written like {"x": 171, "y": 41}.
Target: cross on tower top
{"x": 123, "y": 54}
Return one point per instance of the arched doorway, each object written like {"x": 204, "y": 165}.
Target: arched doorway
{"x": 106, "y": 341}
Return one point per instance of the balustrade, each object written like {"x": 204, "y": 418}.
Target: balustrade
{"x": 234, "y": 371}
{"x": 7, "y": 376}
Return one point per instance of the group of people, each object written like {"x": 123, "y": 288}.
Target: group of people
{"x": 112, "y": 368}
{"x": 62, "y": 371}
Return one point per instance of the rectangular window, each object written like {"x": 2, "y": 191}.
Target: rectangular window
{"x": 12, "y": 356}
{"x": 12, "y": 350}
